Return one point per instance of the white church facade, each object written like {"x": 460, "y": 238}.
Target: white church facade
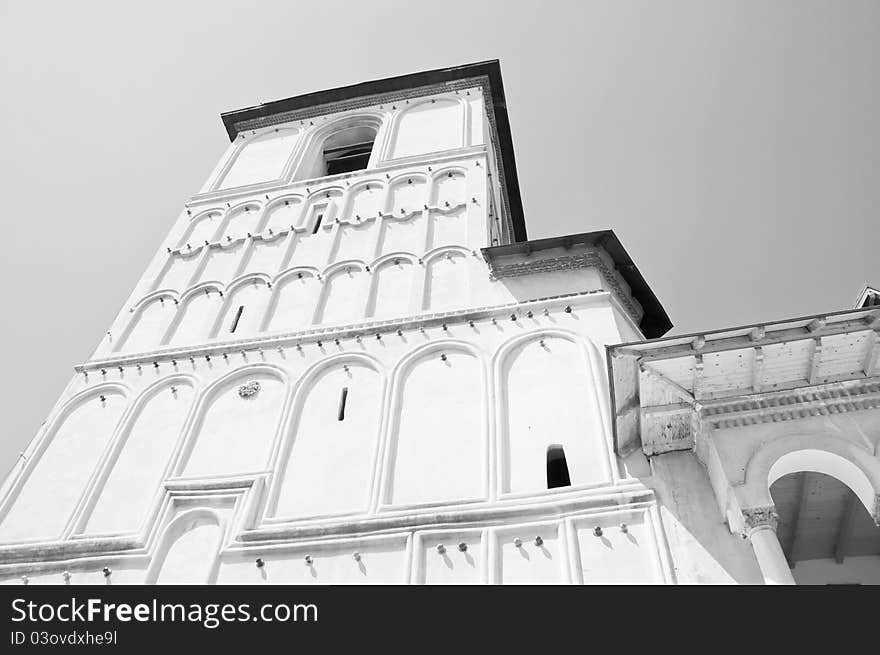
{"x": 348, "y": 364}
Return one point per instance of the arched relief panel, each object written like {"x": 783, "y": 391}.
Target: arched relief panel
{"x": 223, "y": 262}
{"x": 202, "y": 228}
{"x": 241, "y": 221}
{"x": 446, "y": 281}
{"x": 188, "y": 550}
{"x": 329, "y": 466}
{"x": 149, "y": 321}
{"x": 283, "y": 214}
{"x": 344, "y": 297}
{"x": 407, "y": 193}
{"x": 438, "y": 452}
{"x": 546, "y": 397}
{"x": 261, "y": 159}
{"x": 144, "y": 455}
{"x": 402, "y": 234}
{"x": 354, "y": 241}
{"x": 243, "y": 309}
{"x": 267, "y": 255}
{"x": 195, "y": 316}
{"x": 449, "y": 189}
{"x": 364, "y": 201}
{"x": 293, "y": 301}
{"x": 179, "y": 270}
{"x": 60, "y": 472}
{"x": 236, "y": 424}
{"x": 430, "y": 126}
{"x": 393, "y": 283}
{"x": 448, "y": 228}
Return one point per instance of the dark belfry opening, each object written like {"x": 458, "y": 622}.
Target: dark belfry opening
{"x": 557, "y": 468}
{"x": 317, "y": 223}
{"x": 348, "y": 150}
{"x": 237, "y": 318}
{"x": 342, "y": 398}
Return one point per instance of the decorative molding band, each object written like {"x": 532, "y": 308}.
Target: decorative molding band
{"x": 567, "y": 263}
{"x": 27, "y": 558}
{"x": 760, "y": 517}
{"x": 805, "y": 402}
{"x": 171, "y": 355}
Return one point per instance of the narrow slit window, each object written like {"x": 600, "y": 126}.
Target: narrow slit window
{"x": 317, "y": 223}
{"x": 237, "y": 318}
{"x": 557, "y": 468}
{"x": 340, "y": 416}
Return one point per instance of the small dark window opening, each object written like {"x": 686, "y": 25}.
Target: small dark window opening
{"x": 237, "y": 318}
{"x": 347, "y": 158}
{"x": 557, "y": 468}
{"x": 342, "y": 398}
{"x": 317, "y": 223}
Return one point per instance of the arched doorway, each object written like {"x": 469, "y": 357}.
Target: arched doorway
{"x": 825, "y": 531}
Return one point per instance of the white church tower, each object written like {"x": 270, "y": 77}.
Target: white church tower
{"x": 346, "y": 363}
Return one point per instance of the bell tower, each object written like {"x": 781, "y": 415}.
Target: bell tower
{"x": 347, "y": 363}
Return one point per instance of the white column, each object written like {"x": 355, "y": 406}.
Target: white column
{"x": 761, "y": 530}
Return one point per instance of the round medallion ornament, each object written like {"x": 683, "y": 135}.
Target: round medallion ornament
{"x": 249, "y": 389}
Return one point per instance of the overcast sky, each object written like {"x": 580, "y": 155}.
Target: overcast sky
{"x": 733, "y": 146}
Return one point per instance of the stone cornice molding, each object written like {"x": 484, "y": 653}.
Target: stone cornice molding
{"x": 804, "y": 402}
{"x": 35, "y": 557}
{"x": 303, "y": 337}
{"x": 571, "y": 262}
{"x": 316, "y": 111}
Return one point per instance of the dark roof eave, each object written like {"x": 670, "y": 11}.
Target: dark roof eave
{"x": 655, "y": 322}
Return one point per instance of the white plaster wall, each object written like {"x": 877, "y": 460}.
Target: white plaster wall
{"x": 234, "y": 434}
{"x": 53, "y": 486}
{"x": 260, "y": 159}
{"x": 549, "y": 399}
{"x": 530, "y": 563}
{"x": 144, "y": 457}
{"x": 149, "y": 322}
{"x": 293, "y": 303}
{"x": 381, "y": 562}
{"x": 330, "y": 463}
{"x": 453, "y": 565}
{"x": 439, "y": 458}
{"x": 195, "y": 317}
{"x": 179, "y": 270}
{"x": 429, "y": 126}
{"x": 626, "y": 551}
{"x": 191, "y": 551}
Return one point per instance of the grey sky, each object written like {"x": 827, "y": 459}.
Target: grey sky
{"x": 733, "y": 147}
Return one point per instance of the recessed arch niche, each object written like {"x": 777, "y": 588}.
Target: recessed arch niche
{"x": 147, "y": 325}
{"x": 329, "y": 465}
{"x": 188, "y": 550}
{"x": 547, "y": 397}
{"x": 236, "y": 424}
{"x": 62, "y": 467}
{"x": 438, "y": 449}
{"x": 429, "y": 126}
{"x": 261, "y": 159}
{"x": 293, "y": 300}
{"x": 148, "y": 442}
